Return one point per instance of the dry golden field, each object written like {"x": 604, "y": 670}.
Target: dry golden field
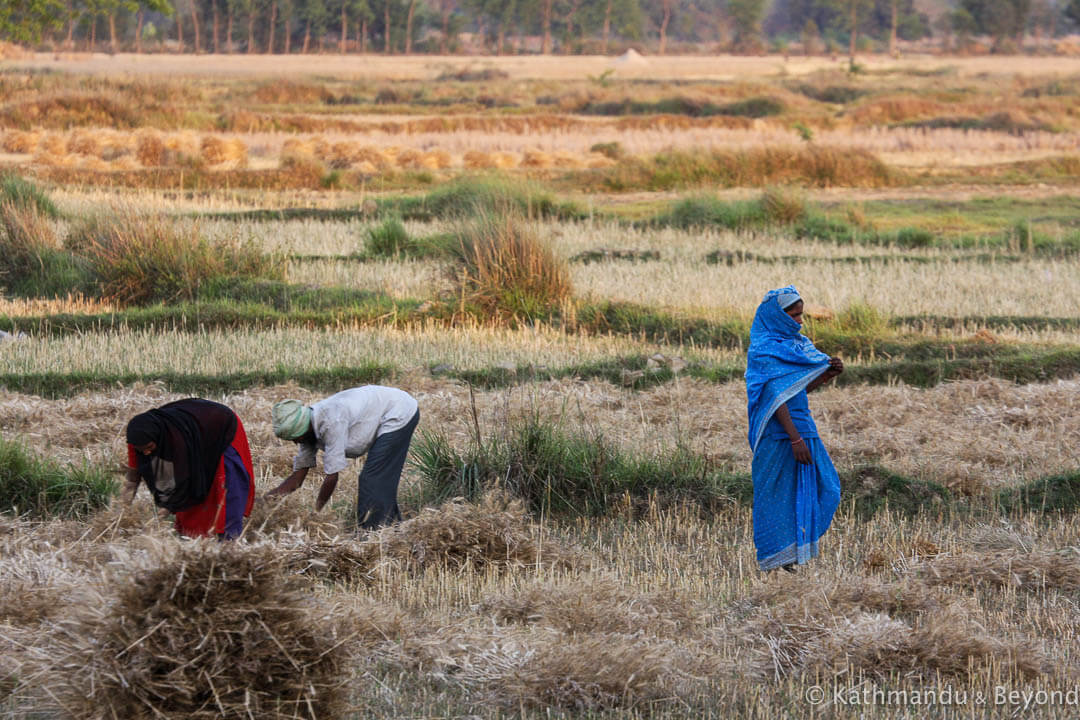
{"x": 925, "y": 207}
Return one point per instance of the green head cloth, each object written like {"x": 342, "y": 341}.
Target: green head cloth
{"x": 291, "y": 419}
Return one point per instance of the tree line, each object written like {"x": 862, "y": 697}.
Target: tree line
{"x": 505, "y": 26}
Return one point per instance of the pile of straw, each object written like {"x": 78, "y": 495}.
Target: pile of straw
{"x": 494, "y": 533}
{"x": 876, "y": 628}
{"x": 197, "y": 630}
{"x": 1034, "y": 571}
{"x": 599, "y": 605}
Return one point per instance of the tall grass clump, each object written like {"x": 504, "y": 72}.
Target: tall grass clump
{"x": 144, "y": 259}
{"x": 853, "y": 330}
{"x": 776, "y": 206}
{"x": 32, "y": 260}
{"x": 504, "y": 272}
{"x": 559, "y": 470}
{"x": 390, "y": 239}
{"x": 465, "y": 196}
{"x": 42, "y": 489}
{"x": 22, "y": 193}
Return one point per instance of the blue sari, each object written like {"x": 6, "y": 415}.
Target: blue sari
{"x": 793, "y": 503}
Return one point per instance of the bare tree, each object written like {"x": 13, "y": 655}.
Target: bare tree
{"x": 408, "y": 27}
{"x": 667, "y": 7}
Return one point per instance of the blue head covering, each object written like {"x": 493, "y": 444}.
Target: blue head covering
{"x": 781, "y": 361}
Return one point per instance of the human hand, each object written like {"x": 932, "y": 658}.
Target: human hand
{"x": 836, "y": 366}
{"x": 802, "y": 453}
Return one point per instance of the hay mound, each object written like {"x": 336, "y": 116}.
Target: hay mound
{"x": 495, "y": 533}
{"x": 1033, "y": 571}
{"x": 598, "y": 605}
{"x": 582, "y": 673}
{"x": 271, "y": 516}
{"x": 875, "y": 628}
{"x": 198, "y": 630}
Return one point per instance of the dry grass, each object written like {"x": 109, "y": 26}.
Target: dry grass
{"x": 644, "y": 623}
{"x": 195, "y": 630}
{"x": 1035, "y": 572}
{"x": 922, "y": 433}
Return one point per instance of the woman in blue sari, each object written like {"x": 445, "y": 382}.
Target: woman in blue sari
{"x": 796, "y": 488}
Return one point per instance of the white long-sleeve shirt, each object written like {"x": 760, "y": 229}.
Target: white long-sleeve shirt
{"x": 346, "y": 424}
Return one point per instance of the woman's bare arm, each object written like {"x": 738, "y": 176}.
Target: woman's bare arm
{"x": 798, "y": 446}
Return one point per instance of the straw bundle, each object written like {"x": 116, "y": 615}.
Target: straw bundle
{"x": 212, "y": 150}
{"x": 598, "y": 605}
{"x": 342, "y": 155}
{"x": 271, "y": 516}
{"x": 410, "y": 159}
{"x": 566, "y": 159}
{"x": 374, "y": 156}
{"x": 497, "y": 533}
{"x": 876, "y": 629}
{"x": 52, "y": 144}
{"x": 150, "y": 149}
{"x": 84, "y": 142}
{"x": 183, "y": 146}
{"x": 477, "y": 160}
{"x": 537, "y": 159}
{"x": 198, "y": 630}
{"x": 21, "y": 142}
{"x": 504, "y": 160}
{"x": 298, "y": 146}
{"x": 437, "y": 160}
{"x": 1035, "y": 571}
{"x": 583, "y": 673}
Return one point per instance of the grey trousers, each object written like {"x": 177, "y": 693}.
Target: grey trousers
{"x": 377, "y": 486}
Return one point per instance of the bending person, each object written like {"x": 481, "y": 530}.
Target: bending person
{"x": 373, "y": 420}
{"x": 796, "y": 488}
{"x": 193, "y": 456}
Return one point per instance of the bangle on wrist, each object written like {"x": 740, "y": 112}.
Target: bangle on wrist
{"x": 796, "y": 442}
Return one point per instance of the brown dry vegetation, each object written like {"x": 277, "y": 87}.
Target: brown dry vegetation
{"x": 1026, "y": 431}
{"x": 664, "y": 611}
{"x": 479, "y": 609}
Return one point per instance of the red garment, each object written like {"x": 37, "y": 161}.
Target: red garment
{"x": 208, "y": 517}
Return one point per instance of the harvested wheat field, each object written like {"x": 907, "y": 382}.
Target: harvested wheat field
{"x": 562, "y": 266}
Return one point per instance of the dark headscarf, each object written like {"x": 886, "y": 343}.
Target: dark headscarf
{"x": 191, "y": 436}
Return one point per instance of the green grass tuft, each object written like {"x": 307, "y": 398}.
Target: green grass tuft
{"x": 43, "y": 489}
{"x": 22, "y": 193}
{"x": 568, "y": 472}
{"x": 1057, "y": 493}
{"x": 468, "y": 196}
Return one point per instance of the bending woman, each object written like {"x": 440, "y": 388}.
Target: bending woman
{"x": 193, "y": 456}
{"x": 796, "y": 488}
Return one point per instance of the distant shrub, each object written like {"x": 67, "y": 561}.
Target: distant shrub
{"x": 756, "y": 107}
{"x": 910, "y": 237}
{"x": 505, "y": 272}
{"x": 467, "y": 196}
{"x": 836, "y": 94}
{"x": 612, "y": 150}
{"x": 290, "y": 92}
{"x": 708, "y": 211}
{"x": 783, "y": 206}
{"x": 808, "y": 165}
{"x": 139, "y": 259}
{"x": 473, "y": 75}
{"x": 388, "y": 96}
{"x": 44, "y": 489}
